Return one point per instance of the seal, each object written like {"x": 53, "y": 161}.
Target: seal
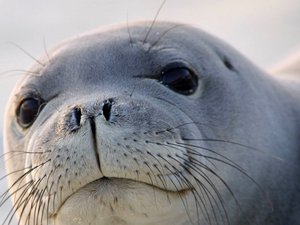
{"x": 152, "y": 124}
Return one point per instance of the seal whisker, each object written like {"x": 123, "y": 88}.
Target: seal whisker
{"x": 195, "y": 167}
{"x": 34, "y": 206}
{"x": 33, "y": 196}
{"x": 182, "y": 148}
{"x": 128, "y": 29}
{"x": 23, "y": 152}
{"x": 191, "y": 186}
{"x": 34, "y": 199}
{"x": 154, "y": 20}
{"x": 20, "y": 201}
{"x": 131, "y": 93}
{"x": 45, "y": 49}
{"x": 182, "y": 125}
{"x": 163, "y": 35}
{"x": 43, "y": 211}
{"x": 26, "y": 53}
{"x": 3, "y": 201}
{"x": 202, "y": 198}
{"x": 198, "y": 170}
{"x": 153, "y": 188}
{"x": 236, "y": 144}
{"x": 156, "y": 182}
{"x": 23, "y": 208}
{"x": 18, "y": 72}
{"x": 184, "y": 202}
{"x": 208, "y": 192}
{"x": 54, "y": 198}
{"x": 16, "y": 154}
{"x": 212, "y": 201}
{"x": 18, "y": 205}
{"x": 35, "y": 203}
{"x": 202, "y": 186}
{"x": 48, "y": 202}
{"x": 192, "y": 151}
{"x": 60, "y": 192}
{"x": 19, "y": 179}
{"x": 191, "y": 119}
{"x": 187, "y": 182}
{"x": 228, "y": 162}
{"x": 47, "y": 182}
{"x": 223, "y": 141}
{"x": 40, "y": 206}
{"x": 160, "y": 176}
{"x": 13, "y": 172}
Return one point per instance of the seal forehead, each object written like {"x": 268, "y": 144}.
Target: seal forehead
{"x": 119, "y": 51}
{"x": 109, "y": 56}
{"x": 127, "y": 41}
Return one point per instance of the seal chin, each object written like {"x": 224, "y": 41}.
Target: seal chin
{"x": 113, "y": 186}
{"x": 118, "y": 201}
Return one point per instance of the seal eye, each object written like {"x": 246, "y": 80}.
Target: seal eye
{"x": 28, "y": 111}
{"x": 180, "y": 79}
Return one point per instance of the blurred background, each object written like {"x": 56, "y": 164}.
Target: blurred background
{"x": 265, "y": 31}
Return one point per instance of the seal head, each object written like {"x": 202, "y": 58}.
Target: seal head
{"x": 152, "y": 125}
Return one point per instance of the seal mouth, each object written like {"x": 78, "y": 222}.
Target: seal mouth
{"x": 112, "y": 181}
{"x": 107, "y": 180}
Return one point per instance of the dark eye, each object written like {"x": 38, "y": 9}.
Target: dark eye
{"x": 181, "y": 80}
{"x": 28, "y": 111}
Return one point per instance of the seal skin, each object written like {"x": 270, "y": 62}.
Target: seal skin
{"x": 100, "y": 133}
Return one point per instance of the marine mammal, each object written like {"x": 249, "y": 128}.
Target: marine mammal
{"x": 160, "y": 124}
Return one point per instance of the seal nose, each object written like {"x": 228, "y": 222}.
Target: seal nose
{"x": 75, "y": 119}
{"x": 106, "y": 108}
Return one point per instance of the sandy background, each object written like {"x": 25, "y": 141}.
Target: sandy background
{"x": 265, "y": 31}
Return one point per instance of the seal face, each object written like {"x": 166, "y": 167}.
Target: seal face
{"x": 152, "y": 125}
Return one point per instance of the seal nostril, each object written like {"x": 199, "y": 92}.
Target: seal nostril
{"x": 107, "y": 104}
{"x": 75, "y": 119}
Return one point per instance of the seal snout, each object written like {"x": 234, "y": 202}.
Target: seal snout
{"x": 75, "y": 116}
{"x": 129, "y": 138}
